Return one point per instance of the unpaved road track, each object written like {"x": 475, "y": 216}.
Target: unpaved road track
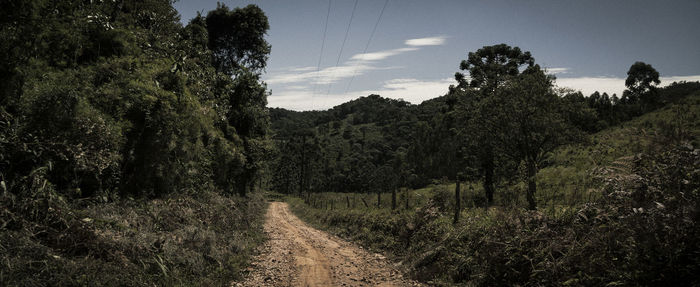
{"x": 298, "y": 255}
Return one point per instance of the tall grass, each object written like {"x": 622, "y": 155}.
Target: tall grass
{"x": 180, "y": 240}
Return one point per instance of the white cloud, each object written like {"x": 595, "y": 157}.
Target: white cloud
{"x": 558, "y": 70}
{"x": 612, "y": 85}
{"x": 357, "y": 65}
{"x": 303, "y": 69}
{"x": 429, "y": 41}
{"x": 381, "y": 55}
{"x": 295, "y": 87}
{"x": 414, "y": 90}
{"x": 588, "y": 85}
{"x": 323, "y": 77}
{"x": 665, "y": 81}
{"x": 411, "y": 90}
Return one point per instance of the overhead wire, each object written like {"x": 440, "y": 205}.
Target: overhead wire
{"x": 371, "y": 35}
{"x": 347, "y": 31}
{"x": 323, "y": 44}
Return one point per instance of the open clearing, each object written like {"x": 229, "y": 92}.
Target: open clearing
{"x": 299, "y": 255}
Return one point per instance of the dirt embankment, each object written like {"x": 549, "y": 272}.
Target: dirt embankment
{"x": 298, "y": 255}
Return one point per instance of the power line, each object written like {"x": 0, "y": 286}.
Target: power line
{"x": 368, "y": 41}
{"x": 323, "y": 44}
{"x": 347, "y": 31}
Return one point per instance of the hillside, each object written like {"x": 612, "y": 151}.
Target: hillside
{"x": 571, "y": 169}
{"x": 372, "y": 132}
{"x": 606, "y": 214}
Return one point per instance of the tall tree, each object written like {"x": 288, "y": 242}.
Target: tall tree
{"x": 489, "y": 69}
{"x": 529, "y": 122}
{"x": 490, "y": 66}
{"x": 237, "y": 38}
{"x": 239, "y": 50}
{"x": 641, "y": 78}
{"x": 641, "y": 83}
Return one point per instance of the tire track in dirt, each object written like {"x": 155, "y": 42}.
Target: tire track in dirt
{"x": 299, "y": 255}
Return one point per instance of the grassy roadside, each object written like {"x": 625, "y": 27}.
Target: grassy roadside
{"x": 180, "y": 240}
{"x": 621, "y": 209}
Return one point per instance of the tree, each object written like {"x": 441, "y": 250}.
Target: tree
{"x": 640, "y": 78}
{"x": 640, "y": 82}
{"x": 237, "y": 38}
{"x": 489, "y": 69}
{"x": 458, "y": 204}
{"x": 529, "y": 122}
{"x": 490, "y": 66}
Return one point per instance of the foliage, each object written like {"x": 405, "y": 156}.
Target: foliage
{"x": 343, "y": 149}
{"x": 490, "y": 66}
{"x": 599, "y": 221}
{"x": 528, "y": 122}
{"x": 491, "y": 69}
{"x": 107, "y": 103}
{"x": 348, "y": 145}
{"x": 640, "y": 78}
{"x": 642, "y": 231}
{"x": 236, "y": 38}
{"x": 127, "y": 107}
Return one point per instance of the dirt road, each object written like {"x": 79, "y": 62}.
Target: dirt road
{"x": 299, "y": 255}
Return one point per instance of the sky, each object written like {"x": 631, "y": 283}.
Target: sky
{"x": 417, "y": 45}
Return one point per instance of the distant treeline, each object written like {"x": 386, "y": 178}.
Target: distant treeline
{"x": 500, "y": 122}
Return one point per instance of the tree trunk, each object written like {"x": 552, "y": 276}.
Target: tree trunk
{"x": 458, "y": 205}
{"x": 393, "y": 198}
{"x": 347, "y": 199}
{"x": 365, "y": 202}
{"x": 303, "y": 165}
{"x": 531, "y": 184}
{"x": 406, "y": 198}
{"x": 488, "y": 182}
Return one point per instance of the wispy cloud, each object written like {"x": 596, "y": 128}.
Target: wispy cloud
{"x": 381, "y": 55}
{"x": 429, "y": 41}
{"x": 303, "y": 69}
{"x": 411, "y": 90}
{"x": 295, "y": 87}
{"x": 324, "y": 76}
{"x": 612, "y": 85}
{"x": 357, "y": 65}
{"x": 558, "y": 70}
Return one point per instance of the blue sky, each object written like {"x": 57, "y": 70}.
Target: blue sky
{"x": 418, "y": 45}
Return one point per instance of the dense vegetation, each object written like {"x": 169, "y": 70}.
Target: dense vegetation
{"x": 131, "y": 148}
{"x": 620, "y": 208}
{"x": 483, "y": 129}
{"x": 126, "y": 140}
{"x": 610, "y": 182}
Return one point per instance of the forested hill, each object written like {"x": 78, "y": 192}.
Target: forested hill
{"x": 372, "y": 109}
{"x": 357, "y": 144}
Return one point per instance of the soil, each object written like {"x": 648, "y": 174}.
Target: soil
{"x": 299, "y": 255}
